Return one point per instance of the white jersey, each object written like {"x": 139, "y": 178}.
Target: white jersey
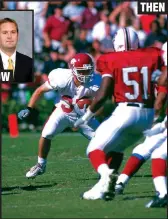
{"x": 62, "y": 81}
{"x": 164, "y": 48}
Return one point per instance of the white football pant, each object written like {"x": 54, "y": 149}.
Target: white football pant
{"x": 122, "y": 129}
{"x": 59, "y": 121}
{"x": 150, "y": 144}
{"x": 160, "y": 152}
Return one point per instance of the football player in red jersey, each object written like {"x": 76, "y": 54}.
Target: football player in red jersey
{"x": 154, "y": 146}
{"x": 127, "y": 74}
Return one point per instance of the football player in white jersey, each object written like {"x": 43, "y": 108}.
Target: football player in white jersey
{"x": 76, "y": 89}
{"x": 159, "y": 160}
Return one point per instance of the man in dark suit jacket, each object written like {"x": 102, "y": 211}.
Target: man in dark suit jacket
{"x": 21, "y": 65}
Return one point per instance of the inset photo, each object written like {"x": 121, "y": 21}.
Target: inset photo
{"x": 16, "y": 46}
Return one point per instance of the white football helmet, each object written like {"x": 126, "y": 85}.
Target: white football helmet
{"x": 125, "y": 39}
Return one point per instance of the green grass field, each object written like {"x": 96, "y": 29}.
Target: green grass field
{"x": 56, "y": 194}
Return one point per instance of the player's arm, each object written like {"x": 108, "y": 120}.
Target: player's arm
{"x": 161, "y": 98}
{"x": 101, "y": 95}
{"x": 35, "y": 97}
{"x": 52, "y": 84}
{"x": 106, "y": 86}
{"x": 100, "y": 111}
{"x": 162, "y": 80}
{"x": 37, "y": 94}
{"x": 160, "y": 101}
{"x": 162, "y": 83}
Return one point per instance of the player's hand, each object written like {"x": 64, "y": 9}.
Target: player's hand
{"x": 24, "y": 113}
{"x": 156, "y": 129}
{"x": 84, "y": 119}
{"x": 79, "y": 122}
{"x": 148, "y": 133}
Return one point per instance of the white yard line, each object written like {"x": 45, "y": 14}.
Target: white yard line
{"x": 22, "y": 135}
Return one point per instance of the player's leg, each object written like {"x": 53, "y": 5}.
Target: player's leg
{"x": 107, "y": 137}
{"x": 140, "y": 154}
{"x": 159, "y": 167}
{"x": 114, "y": 159}
{"x": 110, "y": 136}
{"x": 56, "y": 123}
{"x": 130, "y": 138}
{"x": 88, "y": 131}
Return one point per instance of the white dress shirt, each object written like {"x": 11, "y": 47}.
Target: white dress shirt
{"x": 5, "y": 59}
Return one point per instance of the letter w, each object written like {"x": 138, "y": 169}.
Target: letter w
{"x": 5, "y": 76}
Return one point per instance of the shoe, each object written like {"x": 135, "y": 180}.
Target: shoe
{"x": 36, "y": 170}
{"x": 157, "y": 202}
{"x": 119, "y": 188}
{"x": 110, "y": 194}
{"x": 104, "y": 189}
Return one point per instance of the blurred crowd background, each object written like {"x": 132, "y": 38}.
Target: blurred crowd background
{"x": 64, "y": 28}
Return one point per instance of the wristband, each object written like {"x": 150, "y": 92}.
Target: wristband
{"x": 88, "y": 115}
{"x": 30, "y": 108}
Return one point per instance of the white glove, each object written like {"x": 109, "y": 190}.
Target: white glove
{"x": 79, "y": 122}
{"x": 84, "y": 119}
{"x": 24, "y": 113}
{"x": 156, "y": 129}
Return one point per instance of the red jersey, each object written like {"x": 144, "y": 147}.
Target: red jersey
{"x": 132, "y": 72}
{"x": 162, "y": 89}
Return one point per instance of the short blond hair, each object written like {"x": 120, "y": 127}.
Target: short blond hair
{"x": 9, "y": 20}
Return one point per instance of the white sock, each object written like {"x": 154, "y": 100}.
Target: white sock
{"x": 42, "y": 161}
{"x": 123, "y": 178}
{"x": 160, "y": 184}
{"x": 103, "y": 169}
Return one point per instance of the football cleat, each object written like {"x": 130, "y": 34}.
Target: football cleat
{"x": 104, "y": 189}
{"x": 157, "y": 202}
{"x": 109, "y": 195}
{"x": 119, "y": 188}
{"x": 36, "y": 170}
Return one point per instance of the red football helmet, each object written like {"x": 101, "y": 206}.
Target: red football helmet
{"x": 82, "y": 66}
